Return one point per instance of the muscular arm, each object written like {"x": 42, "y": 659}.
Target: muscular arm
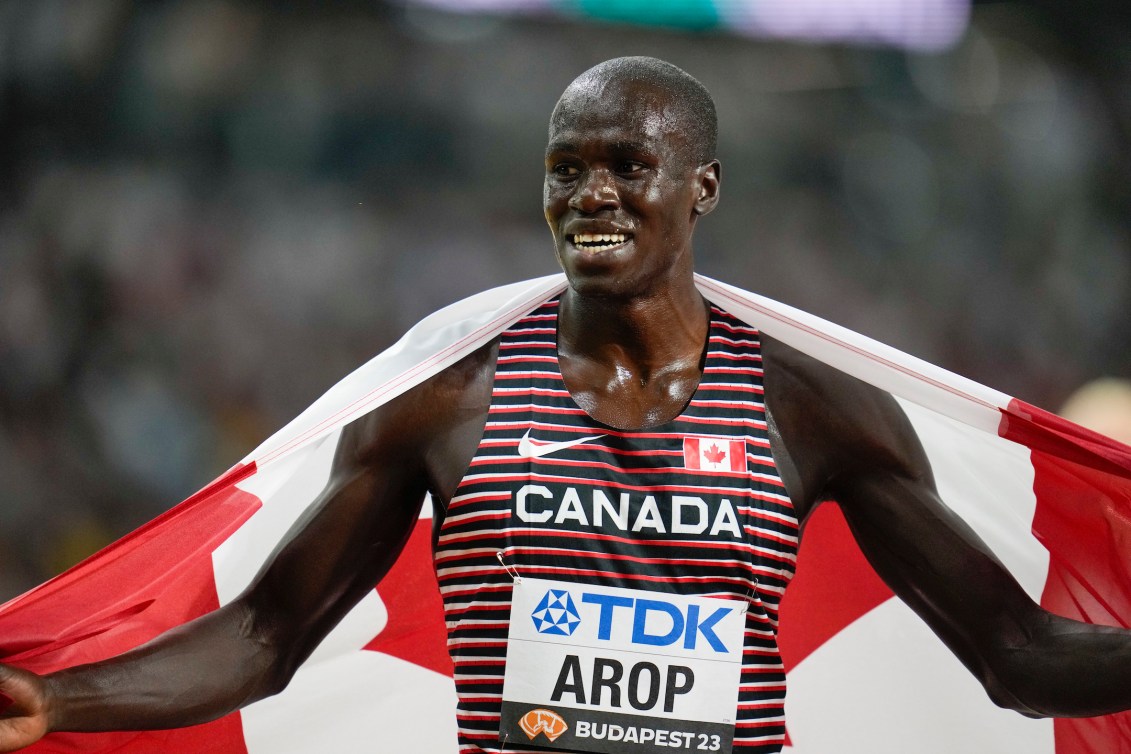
{"x": 851, "y": 443}
{"x": 332, "y": 557}
{"x": 250, "y": 648}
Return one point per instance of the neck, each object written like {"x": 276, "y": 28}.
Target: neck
{"x": 649, "y": 334}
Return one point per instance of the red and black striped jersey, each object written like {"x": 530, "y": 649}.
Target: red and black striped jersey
{"x": 693, "y": 506}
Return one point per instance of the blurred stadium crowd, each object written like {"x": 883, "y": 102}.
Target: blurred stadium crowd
{"x": 210, "y": 210}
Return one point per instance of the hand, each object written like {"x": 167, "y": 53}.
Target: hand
{"x": 23, "y": 708}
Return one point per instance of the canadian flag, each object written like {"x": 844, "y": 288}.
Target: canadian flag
{"x": 714, "y": 454}
{"x": 1052, "y": 500}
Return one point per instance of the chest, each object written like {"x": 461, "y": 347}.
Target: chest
{"x": 565, "y": 495}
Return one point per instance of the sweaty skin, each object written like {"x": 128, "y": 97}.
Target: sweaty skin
{"x": 632, "y": 338}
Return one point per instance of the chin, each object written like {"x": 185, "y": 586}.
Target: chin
{"x": 592, "y": 277}
{"x": 607, "y": 283}
{"x": 590, "y": 287}
{"x": 617, "y": 274}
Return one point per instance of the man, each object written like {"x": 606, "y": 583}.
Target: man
{"x": 615, "y": 439}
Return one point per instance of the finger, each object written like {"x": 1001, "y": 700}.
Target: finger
{"x": 5, "y": 679}
{"x": 14, "y": 735}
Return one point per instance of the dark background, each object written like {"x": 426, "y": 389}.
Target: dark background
{"x": 211, "y": 210}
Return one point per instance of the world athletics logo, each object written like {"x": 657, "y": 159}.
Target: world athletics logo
{"x": 556, "y": 614}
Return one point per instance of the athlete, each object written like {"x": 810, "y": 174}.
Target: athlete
{"x": 628, "y": 357}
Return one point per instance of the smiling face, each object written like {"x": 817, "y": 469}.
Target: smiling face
{"x": 623, "y": 186}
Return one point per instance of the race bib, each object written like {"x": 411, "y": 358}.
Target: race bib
{"x": 610, "y": 670}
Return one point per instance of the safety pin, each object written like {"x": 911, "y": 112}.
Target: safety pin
{"x": 509, "y": 569}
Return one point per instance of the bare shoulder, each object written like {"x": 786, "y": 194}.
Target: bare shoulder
{"x": 435, "y": 425}
{"x": 831, "y": 426}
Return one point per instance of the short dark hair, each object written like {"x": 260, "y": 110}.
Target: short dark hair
{"x": 694, "y": 101}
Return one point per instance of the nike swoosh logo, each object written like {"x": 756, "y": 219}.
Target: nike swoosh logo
{"x": 529, "y": 449}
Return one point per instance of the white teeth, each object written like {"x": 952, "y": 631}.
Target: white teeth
{"x": 598, "y": 241}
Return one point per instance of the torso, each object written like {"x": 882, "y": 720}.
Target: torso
{"x": 736, "y": 535}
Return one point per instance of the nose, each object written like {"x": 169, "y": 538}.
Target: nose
{"x": 594, "y": 191}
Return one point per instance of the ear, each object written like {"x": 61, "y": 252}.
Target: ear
{"x": 709, "y": 176}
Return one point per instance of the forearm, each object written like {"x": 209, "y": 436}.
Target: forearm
{"x": 1067, "y": 669}
{"x": 192, "y": 674}
{"x": 336, "y": 552}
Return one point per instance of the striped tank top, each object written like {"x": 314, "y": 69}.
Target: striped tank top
{"x": 613, "y": 509}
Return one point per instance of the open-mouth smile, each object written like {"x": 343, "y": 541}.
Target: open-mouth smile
{"x": 595, "y": 243}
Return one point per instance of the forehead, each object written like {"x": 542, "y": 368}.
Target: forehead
{"x": 623, "y": 112}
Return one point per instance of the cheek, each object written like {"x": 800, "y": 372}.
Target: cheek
{"x": 664, "y": 207}
{"x": 553, "y": 203}
{"x": 664, "y": 189}
{"x": 674, "y": 201}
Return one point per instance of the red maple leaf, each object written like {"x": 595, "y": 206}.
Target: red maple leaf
{"x": 415, "y": 631}
{"x": 714, "y": 455}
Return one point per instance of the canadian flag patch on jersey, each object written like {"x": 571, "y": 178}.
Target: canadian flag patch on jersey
{"x": 714, "y": 454}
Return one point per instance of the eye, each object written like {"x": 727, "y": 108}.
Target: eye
{"x": 565, "y": 170}
{"x": 628, "y": 167}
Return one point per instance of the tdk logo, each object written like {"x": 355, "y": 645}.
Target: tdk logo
{"x": 556, "y": 614}
{"x": 686, "y": 627}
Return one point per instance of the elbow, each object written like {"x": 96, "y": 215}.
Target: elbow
{"x": 1034, "y": 683}
{"x": 273, "y": 682}
{"x": 1013, "y": 693}
{"x": 1023, "y": 669}
{"x": 269, "y": 666}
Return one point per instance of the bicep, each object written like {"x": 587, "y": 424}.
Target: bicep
{"x": 342, "y": 544}
{"x": 927, "y": 554}
{"x": 851, "y": 442}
